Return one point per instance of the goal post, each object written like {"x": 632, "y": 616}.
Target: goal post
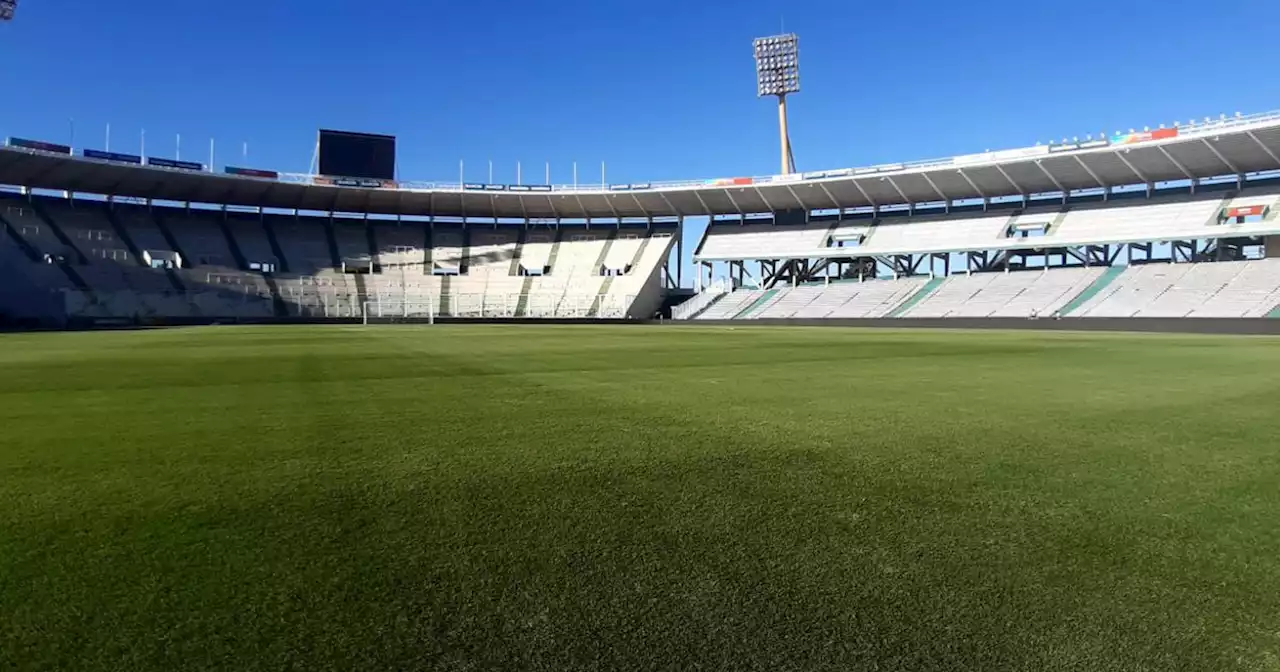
{"x": 398, "y": 312}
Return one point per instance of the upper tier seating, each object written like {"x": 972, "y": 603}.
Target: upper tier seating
{"x": 1177, "y": 217}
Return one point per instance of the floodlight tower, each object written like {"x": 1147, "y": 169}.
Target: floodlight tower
{"x": 7, "y": 8}
{"x": 777, "y": 74}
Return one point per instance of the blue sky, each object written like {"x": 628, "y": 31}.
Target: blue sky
{"x": 660, "y": 90}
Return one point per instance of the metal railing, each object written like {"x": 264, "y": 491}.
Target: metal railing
{"x": 142, "y": 306}
{"x": 1191, "y": 130}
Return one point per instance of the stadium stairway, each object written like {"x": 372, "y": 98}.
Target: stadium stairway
{"x": 58, "y": 233}
{"x": 714, "y": 300}
{"x": 232, "y": 245}
{"x": 604, "y": 252}
{"x": 1092, "y": 290}
{"x": 756, "y": 305}
{"x": 28, "y": 250}
{"x": 555, "y": 250}
{"x": 924, "y": 292}
{"x": 594, "y": 311}
{"x": 371, "y": 242}
{"x": 444, "y": 308}
{"x": 331, "y": 240}
{"x": 464, "y": 262}
{"x": 282, "y": 263}
{"x": 517, "y": 253}
{"x": 631, "y": 267}
{"x": 522, "y": 301}
{"x": 122, "y": 233}
{"x": 427, "y": 242}
{"x": 169, "y": 238}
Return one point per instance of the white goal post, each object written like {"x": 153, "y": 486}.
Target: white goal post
{"x": 397, "y": 312}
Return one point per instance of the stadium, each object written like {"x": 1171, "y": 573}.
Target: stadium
{"x": 1020, "y": 233}
{"x": 905, "y": 416}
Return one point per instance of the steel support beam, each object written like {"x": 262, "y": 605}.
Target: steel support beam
{"x": 1015, "y": 185}
{"x": 1265, "y": 148}
{"x": 973, "y": 184}
{"x": 834, "y": 203}
{"x": 870, "y": 201}
{"x": 1106, "y": 190}
{"x": 911, "y": 206}
{"x": 1177, "y": 163}
{"x": 1221, "y": 158}
{"x": 764, "y": 200}
{"x": 636, "y": 198}
{"x": 706, "y": 210}
{"x": 946, "y": 201}
{"x": 799, "y": 201}
{"x": 1126, "y": 162}
{"x": 735, "y": 204}
{"x": 1052, "y": 179}
{"x": 669, "y": 205}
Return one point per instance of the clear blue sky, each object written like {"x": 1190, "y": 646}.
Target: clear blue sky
{"x": 660, "y": 90}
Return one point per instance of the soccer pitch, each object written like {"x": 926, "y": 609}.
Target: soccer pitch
{"x": 627, "y": 498}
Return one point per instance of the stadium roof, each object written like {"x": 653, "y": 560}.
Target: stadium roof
{"x": 1233, "y": 146}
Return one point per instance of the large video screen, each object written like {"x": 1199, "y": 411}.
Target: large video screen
{"x": 348, "y": 154}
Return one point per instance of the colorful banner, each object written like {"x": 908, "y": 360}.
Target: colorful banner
{"x": 252, "y": 172}
{"x": 1144, "y": 136}
{"x": 729, "y": 181}
{"x": 1247, "y": 211}
{"x": 38, "y": 145}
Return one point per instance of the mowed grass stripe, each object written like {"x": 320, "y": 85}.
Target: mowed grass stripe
{"x": 634, "y": 498}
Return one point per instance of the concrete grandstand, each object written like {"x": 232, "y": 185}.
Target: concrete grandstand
{"x": 1171, "y": 222}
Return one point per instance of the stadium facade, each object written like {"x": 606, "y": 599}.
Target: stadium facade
{"x": 1170, "y": 222}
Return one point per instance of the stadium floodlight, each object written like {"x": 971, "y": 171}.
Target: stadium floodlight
{"x": 7, "y": 8}
{"x": 778, "y": 74}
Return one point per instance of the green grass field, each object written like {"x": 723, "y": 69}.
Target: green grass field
{"x": 602, "y": 498}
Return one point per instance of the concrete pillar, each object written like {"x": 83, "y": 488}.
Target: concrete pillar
{"x": 1272, "y": 244}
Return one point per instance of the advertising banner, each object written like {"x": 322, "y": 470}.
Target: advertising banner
{"x": 172, "y": 163}
{"x": 39, "y": 145}
{"x": 1144, "y": 136}
{"x": 114, "y": 157}
{"x": 252, "y": 172}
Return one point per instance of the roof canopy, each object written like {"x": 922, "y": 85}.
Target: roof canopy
{"x": 1228, "y": 147}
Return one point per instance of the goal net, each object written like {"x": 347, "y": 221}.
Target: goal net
{"x": 398, "y": 312}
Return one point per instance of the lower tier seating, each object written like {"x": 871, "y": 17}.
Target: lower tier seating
{"x": 1228, "y": 289}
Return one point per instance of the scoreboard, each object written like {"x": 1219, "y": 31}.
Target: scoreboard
{"x": 360, "y": 155}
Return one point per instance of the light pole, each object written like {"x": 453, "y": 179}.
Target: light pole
{"x": 7, "y": 8}
{"x": 777, "y": 74}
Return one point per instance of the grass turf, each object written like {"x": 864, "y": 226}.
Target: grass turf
{"x": 460, "y": 498}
